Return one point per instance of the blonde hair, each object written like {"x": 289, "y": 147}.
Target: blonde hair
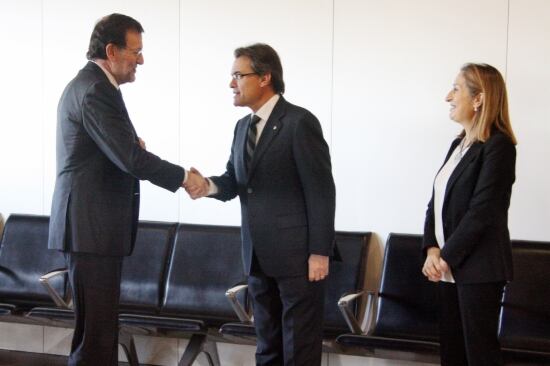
{"x": 493, "y": 113}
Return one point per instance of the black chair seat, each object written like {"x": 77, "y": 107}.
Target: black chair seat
{"x": 23, "y": 259}
{"x": 6, "y": 309}
{"x": 527, "y": 345}
{"x": 55, "y": 317}
{"x": 162, "y": 323}
{"x": 515, "y": 355}
{"x": 407, "y": 303}
{"x": 238, "y": 330}
{"x": 401, "y": 344}
{"x": 51, "y": 314}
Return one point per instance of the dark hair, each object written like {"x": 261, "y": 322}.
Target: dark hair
{"x": 111, "y": 29}
{"x": 264, "y": 59}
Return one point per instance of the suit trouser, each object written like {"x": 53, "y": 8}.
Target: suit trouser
{"x": 288, "y": 318}
{"x": 95, "y": 282}
{"x": 468, "y": 324}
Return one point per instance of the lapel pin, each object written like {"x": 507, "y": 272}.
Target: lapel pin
{"x": 274, "y": 127}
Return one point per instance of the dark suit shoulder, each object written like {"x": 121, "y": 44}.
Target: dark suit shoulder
{"x": 91, "y": 73}
{"x": 295, "y": 110}
{"x": 90, "y": 79}
{"x": 498, "y": 138}
{"x": 499, "y": 144}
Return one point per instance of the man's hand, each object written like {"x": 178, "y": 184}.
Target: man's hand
{"x": 318, "y": 267}
{"x": 196, "y": 185}
{"x": 434, "y": 266}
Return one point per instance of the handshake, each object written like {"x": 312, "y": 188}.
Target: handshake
{"x": 196, "y": 185}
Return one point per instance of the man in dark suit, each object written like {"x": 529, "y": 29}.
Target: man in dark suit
{"x": 95, "y": 206}
{"x": 280, "y": 168}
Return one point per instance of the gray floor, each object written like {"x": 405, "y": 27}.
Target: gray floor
{"x": 16, "y": 358}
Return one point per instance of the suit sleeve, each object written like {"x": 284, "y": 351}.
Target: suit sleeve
{"x": 107, "y": 125}
{"x": 490, "y": 200}
{"x": 429, "y": 239}
{"x": 227, "y": 182}
{"x": 314, "y": 168}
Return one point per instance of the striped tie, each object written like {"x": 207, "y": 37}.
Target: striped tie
{"x": 251, "y": 140}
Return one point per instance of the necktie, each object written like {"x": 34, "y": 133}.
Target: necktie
{"x": 251, "y": 140}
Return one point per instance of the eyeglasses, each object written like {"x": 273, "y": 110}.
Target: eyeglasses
{"x": 136, "y": 53}
{"x": 239, "y": 76}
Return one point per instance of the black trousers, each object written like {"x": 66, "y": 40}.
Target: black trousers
{"x": 95, "y": 282}
{"x": 468, "y": 324}
{"x": 288, "y": 318}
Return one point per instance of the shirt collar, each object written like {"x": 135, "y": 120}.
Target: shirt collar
{"x": 265, "y": 111}
{"x": 108, "y": 74}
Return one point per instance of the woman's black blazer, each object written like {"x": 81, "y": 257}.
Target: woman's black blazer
{"x": 475, "y": 212}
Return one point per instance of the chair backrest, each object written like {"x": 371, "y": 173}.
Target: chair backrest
{"x": 144, "y": 272}
{"x": 205, "y": 263}
{"x": 24, "y": 257}
{"x": 345, "y": 276}
{"x": 525, "y": 313}
{"x": 407, "y": 306}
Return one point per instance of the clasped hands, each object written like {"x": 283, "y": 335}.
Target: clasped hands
{"x": 434, "y": 267}
{"x": 196, "y": 185}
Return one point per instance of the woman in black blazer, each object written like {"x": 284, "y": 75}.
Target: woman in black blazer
{"x": 466, "y": 238}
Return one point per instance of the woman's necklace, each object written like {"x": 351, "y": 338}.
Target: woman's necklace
{"x": 462, "y": 148}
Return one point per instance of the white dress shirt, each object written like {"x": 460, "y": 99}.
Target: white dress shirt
{"x": 440, "y": 186}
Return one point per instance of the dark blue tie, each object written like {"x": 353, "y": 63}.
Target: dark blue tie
{"x": 251, "y": 140}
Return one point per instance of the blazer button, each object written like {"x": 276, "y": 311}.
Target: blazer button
{"x": 250, "y": 190}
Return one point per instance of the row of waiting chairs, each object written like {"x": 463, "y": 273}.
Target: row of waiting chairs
{"x": 406, "y": 303}
{"x": 173, "y": 285}
{"x": 175, "y": 281}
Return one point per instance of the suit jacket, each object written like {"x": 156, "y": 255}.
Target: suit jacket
{"x": 95, "y": 204}
{"x": 475, "y": 212}
{"x": 288, "y": 197}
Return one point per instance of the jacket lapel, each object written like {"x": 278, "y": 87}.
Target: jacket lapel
{"x": 470, "y": 155}
{"x": 93, "y": 67}
{"x": 270, "y": 131}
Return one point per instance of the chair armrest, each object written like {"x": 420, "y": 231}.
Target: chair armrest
{"x": 372, "y": 298}
{"x": 231, "y": 295}
{"x": 344, "y": 304}
{"x": 56, "y": 297}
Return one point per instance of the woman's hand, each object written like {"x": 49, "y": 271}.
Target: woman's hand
{"x": 434, "y": 266}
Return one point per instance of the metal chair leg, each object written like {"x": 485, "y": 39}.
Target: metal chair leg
{"x": 129, "y": 348}
{"x": 193, "y": 349}
{"x": 210, "y": 349}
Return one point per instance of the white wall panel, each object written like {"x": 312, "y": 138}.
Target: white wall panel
{"x": 529, "y": 91}
{"x": 300, "y": 31}
{"x": 21, "y": 150}
{"x": 378, "y": 91}
{"x": 394, "y": 63}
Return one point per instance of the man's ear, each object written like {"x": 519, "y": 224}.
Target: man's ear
{"x": 110, "y": 51}
{"x": 265, "y": 79}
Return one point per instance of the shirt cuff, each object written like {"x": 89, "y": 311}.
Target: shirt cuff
{"x": 212, "y": 187}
